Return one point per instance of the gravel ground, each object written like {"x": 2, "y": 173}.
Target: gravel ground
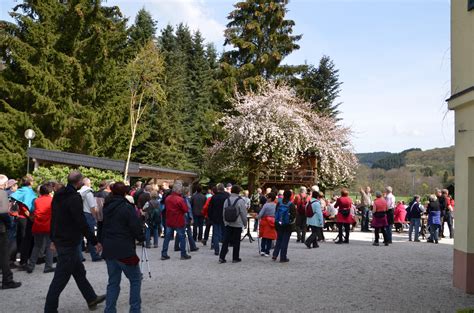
{"x": 404, "y": 277}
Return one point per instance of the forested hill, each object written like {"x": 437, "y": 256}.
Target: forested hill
{"x": 437, "y": 159}
{"x": 409, "y": 172}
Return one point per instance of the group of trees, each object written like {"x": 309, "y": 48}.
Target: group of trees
{"x": 85, "y": 82}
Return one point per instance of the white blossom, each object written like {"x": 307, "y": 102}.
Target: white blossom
{"x": 273, "y": 128}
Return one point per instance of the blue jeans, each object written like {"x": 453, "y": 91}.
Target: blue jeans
{"x": 434, "y": 230}
{"x": 92, "y": 223}
{"x": 281, "y": 246}
{"x": 217, "y": 236}
{"x": 154, "y": 229}
{"x": 414, "y": 224}
{"x": 132, "y": 272}
{"x": 189, "y": 234}
{"x": 388, "y": 231}
{"x": 180, "y": 237}
{"x": 365, "y": 219}
{"x": 69, "y": 264}
{"x": 266, "y": 245}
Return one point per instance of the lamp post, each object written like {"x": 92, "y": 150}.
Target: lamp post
{"x": 30, "y": 135}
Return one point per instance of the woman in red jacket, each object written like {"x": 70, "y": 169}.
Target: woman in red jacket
{"x": 41, "y": 230}
{"x": 343, "y": 217}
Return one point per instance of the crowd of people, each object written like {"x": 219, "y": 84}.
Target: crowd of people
{"x": 58, "y": 223}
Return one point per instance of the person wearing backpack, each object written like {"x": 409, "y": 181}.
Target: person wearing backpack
{"x": 285, "y": 215}
{"x": 235, "y": 218}
{"x": 343, "y": 217}
{"x": 152, "y": 212}
{"x": 315, "y": 220}
{"x": 300, "y": 202}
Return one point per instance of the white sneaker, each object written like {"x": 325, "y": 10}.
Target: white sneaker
{"x": 262, "y": 254}
{"x": 267, "y": 255}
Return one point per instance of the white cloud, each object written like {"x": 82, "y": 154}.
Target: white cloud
{"x": 197, "y": 14}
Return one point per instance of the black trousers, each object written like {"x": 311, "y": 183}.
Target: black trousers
{"x": 231, "y": 235}
{"x": 448, "y": 218}
{"x": 384, "y": 234}
{"x": 69, "y": 264}
{"x": 300, "y": 224}
{"x": 208, "y": 228}
{"x": 316, "y": 233}
{"x": 347, "y": 228}
{"x": 197, "y": 227}
{"x": 7, "y": 275}
{"x": 26, "y": 243}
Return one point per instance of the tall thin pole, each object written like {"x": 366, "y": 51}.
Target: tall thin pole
{"x": 28, "y": 158}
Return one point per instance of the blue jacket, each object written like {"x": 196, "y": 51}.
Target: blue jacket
{"x": 317, "y": 219}
{"x": 413, "y": 210}
{"x": 25, "y": 195}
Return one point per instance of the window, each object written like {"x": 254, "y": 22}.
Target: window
{"x": 470, "y": 5}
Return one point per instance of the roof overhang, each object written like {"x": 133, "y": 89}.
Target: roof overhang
{"x": 135, "y": 169}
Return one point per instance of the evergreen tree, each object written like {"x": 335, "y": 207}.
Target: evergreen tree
{"x": 261, "y": 38}
{"x": 143, "y": 30}
{"x": 61, "y": 67}
{"x": 320, "y": 86}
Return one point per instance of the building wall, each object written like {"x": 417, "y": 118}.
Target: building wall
{"x": 462, "y": 101}
{"x": 462, "y": 46}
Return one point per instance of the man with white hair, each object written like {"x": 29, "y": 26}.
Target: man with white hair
{"x": 176, "y": 208}
{"x": 391, "y": 203}
{"x": 7, "y": 275}
{"x": 89, "y": 205}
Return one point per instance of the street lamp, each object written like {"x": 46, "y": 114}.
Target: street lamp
{"x": 30, "y": 135}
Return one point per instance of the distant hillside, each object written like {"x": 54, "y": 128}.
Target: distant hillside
{"x": 408, "y": 172}
{"x": 370, "y": 158}
{"x": 436, "y": 159}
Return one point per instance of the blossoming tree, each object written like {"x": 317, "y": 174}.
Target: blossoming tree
{"x": 273, "y": 128}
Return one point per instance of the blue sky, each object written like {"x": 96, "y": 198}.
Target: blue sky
{"x": 393, "y": 57}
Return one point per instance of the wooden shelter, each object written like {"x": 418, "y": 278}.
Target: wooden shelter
{"x": 159, "y": 174}
{"x": 304, "y": 175}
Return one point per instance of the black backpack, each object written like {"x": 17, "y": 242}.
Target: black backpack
{"x": 231, "y": 212}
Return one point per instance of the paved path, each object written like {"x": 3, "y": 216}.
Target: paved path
{"x": 405, "y": 277}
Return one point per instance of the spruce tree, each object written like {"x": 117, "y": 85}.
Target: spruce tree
{"x": 321, "y": 86}
{"x": 61, "y": 67}
{"x": 261, "y": 38}
{"x": 143, "y": 30}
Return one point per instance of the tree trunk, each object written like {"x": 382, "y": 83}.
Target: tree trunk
{"x": 127, "y": 164}
{"x": 251, "y": 182}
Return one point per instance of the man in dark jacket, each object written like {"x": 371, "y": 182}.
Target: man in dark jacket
{"x": 215, "y": 213}
{"x": 68, "y": 225}
{"x": 197, "y": 204}
{"x": 121, "y": 228}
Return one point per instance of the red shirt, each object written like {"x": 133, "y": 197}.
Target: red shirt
{"x": 42, "y": 215}
{"x": 176, "y": 208}
{"x": 343, "y": 203}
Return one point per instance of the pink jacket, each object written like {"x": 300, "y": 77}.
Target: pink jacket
{"x": 400, "y": 214}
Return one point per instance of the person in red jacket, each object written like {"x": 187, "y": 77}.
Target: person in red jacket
{"x": 176, "y": 208}
{"x": 41, "y": 229}
{"x": 343, "y": 217}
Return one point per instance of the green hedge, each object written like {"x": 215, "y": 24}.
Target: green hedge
{"x": 59, "y": 173}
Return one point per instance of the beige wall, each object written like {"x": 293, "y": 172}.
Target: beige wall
{"x": 462, "y": 46}
{"x": 464, "y": 172}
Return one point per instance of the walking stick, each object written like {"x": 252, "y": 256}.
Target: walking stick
{"x": 145, "y": 259}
